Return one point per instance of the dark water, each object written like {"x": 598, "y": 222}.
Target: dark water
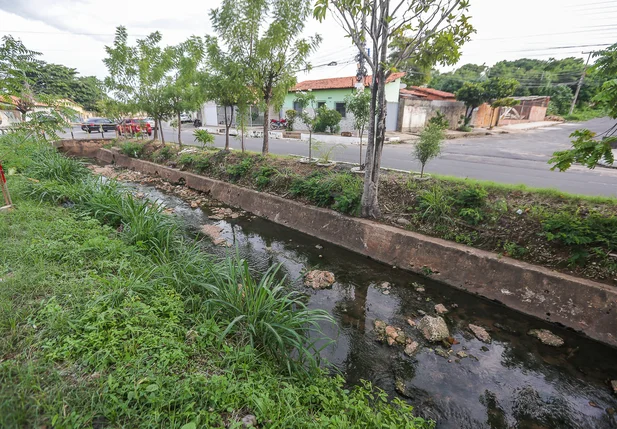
{"x": 514, "y": 382}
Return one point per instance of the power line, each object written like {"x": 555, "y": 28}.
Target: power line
{"x": 67, "y": 33}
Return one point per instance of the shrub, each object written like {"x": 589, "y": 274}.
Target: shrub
{"x": 164, "y": 154}
{"x": 313, "y": 187}
{"x": 347, "y": 193}
{"x": 472, "y": 198}
{"x": 203, "y": 137}
{"x": 472, "y": 216}
{"x": 266, "y": 316}
{"x": 49, "y": 164}
{"x": 241, "y": 169}
{"x": 133, "y": 149}
{"x": 291, "y": 116}
{"x": 435, "y": 205}
{"x": 264, "y": 175}
{"x": 196, "y": 161}
{"x": 327, "y": 119}
{"x": 429, "y": 145}
{"x": 439, "y": 121}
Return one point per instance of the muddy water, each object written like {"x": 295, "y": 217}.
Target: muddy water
{"x": 513, "y": 382}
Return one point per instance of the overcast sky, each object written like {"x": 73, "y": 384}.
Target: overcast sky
{"x": 75, "y": 32}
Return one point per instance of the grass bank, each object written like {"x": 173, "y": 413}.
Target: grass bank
{"x": 110, "y": 318}
{"x": 570, "y": 233}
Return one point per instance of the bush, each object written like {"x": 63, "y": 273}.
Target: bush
{"x": 49, "y": 164}
{"x": 204, "y": 137}
{"x": 341, "y": 192}
{"x": 133, "y": 149}
{"x": 164, "y": 154}
{"x": 241, "y": 169}
{"x": 291, "y": 116}
{"x": 327, "y": 119}
{"x": 263, "y": 176}
{"x": 439, "y": 121}
{"x": 473, "y": 198}
{"x": 264, "y": 315}
{"x": 435, "y": 205}
{"x": 196, "y": 161}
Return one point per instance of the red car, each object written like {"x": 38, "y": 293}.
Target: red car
{"x": 134, "y": 126}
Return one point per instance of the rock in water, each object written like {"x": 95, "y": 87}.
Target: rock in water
{"x": 411, "y": 348}
{"x": 319, "y": 279}
{"x": 480, "y": 333}
{"x": 433, "y": 328}
{"x": 441, "y": 309}
{"x": 546, "y": 337}
{"x": 614, "y": 386}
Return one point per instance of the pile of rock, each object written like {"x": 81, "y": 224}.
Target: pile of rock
{"x": 319, "y": 279}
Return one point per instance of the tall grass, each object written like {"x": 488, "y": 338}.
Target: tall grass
{"x": 264, "y": 314}
{"x": 49, "y": 164}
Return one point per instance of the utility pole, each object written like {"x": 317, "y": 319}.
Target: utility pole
{"x": 580, "y": 82}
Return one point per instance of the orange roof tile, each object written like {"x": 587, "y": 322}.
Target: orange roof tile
{"x": 339, "y": 82}
{"x": 435, "y": 92}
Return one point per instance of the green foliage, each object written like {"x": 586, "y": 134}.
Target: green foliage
{"x": 439, "y": 121}
{"x": 571, "y": 229}
{"x": 473, "y": 95}
{"x": 586, "y": 150}
{"x": 263, "y": 176}
{"x": 471, "y": 197}
{"x": 264, "y": 315}
{"x": 164, "y": 153}
{"x": 435, "y": 205}
{"x": 290, "y": 115}
{"x": 203, "y": 137}
{"x": 561, "y": 99}
{"x": 472, "y": 216}
{"x": 241, "y": 169}
{"x": 429, "y": 144}
{"x": 133, "y": 149}
{"x": 48, "y": 164}
{"x": 199, "y": 162}
{"x": 499, "y": 87}
{"x": 327, "y": 120}
{"x": 342, "y": 192}
{"x": 514, "y": 250}
{"x": 359, "y": 105}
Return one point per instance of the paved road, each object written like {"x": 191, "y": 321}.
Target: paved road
{"x": 508, "y": 158}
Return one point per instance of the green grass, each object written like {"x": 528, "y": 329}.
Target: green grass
{"x": 99, "y": 328}
{"x": 585, "y": 114}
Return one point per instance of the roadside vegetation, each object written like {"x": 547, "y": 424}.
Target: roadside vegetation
{"x": 570, "y": 233}
{"x": 111, "y": 317}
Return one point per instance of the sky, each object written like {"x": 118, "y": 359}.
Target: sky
{"x": 75, "y": 32}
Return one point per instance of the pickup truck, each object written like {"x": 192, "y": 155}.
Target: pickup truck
{"x": 134, "y": 126}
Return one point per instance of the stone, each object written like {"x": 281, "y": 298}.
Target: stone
{"x": 391, "y": 332}
{"x": 411, "y": 323}
{"x": 433, "y": 328}
{"x": 214, "y": 232}
{"x": 403, "y": 222}
{"x": 399, "y": 386}
{"x": 194, "y": 204}
{"x": 441, "y": 352}
{"x": 385, "y": 292}
{"x": 614, "y": 386}
{"x": 441, "y": 309}
{"x": 380, "y": 326}
{"x": 546, "y": 337}
{"x": 385, "y": 285}
{"x": 319, "y": 279}
{"x": 461, "y": 354}
{"x": 484, "y": 349}
{"x": 401, "y": 338}
{"x": 480, "y": 333}
{"x": 318, "y": 247}
{"x": 249, "y": 421}
{"x": 411, "y": 348}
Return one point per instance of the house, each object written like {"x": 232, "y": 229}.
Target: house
{"x": 427, "y": 94}
{"x": 419, "y": 104}
{"x": 331, "y": 93}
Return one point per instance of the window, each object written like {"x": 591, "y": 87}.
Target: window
{"x": 297, "y": 107}
{"x": 320, "y": 104}
{"x": 340, "y": 107}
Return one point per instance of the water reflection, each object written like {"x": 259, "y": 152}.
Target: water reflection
{"x": 514, "y": 382}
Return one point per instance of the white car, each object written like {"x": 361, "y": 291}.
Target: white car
{"x": 185, "y": 117}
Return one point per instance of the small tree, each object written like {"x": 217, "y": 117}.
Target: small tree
{"x": 290, "y": 115}
{"x": 16, "y": 61}
{"x": 473, "y": 95}
{"x": 327, "y": 120}
{"x": 429, "y": 145}
{"x": 306, "y": 101}
{"x": 359, "y": 105}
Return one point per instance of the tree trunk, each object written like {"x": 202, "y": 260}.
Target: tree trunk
{"x": 242, "y": 140}
{"x": 227, "y": 125}
{"x": 422, "y": 172}
{"x": 310, "y": 145}
{"x": 156, "y": 129}
{"x": 162, "y": 134}
{"x": 266, "y": 144}
{"x": 361, "y": 132}
{"x": 179, "y": 131}
{"x": 367, "y": 194}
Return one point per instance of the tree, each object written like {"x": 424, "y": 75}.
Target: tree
{"x": 327, "y": 120}
{"x": 415, "y": 26}
{"x": 429, "y": 144}
{"x": 264, "y": 35}
{"x": 16, "y": 61}
{"x": 588, "y": 148}
{"x": 498, "y": 87}
{"x": 308, "y": 116}
{"x": 453, "y": 81}
{"x": 184, "y": 88}
{"x": 290, "y": 116}
{"x": 138, "y": 75}
{"x": 359, "y": 105}
{"x": 227, "y": 84}
{"x": 473, "y": 95}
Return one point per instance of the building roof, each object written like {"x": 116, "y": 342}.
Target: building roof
{"x": 434, "y": 92}
{"x": 339, "y": 82}
{"x": 412, "y": 93}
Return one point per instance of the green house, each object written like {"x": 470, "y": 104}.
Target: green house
{"x": 332, "y": 92}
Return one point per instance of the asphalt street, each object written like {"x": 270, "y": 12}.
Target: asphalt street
{"x": 518, "y": 158}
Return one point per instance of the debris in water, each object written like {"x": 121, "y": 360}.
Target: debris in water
{"x": 546, "y": 337}
{"x": 441, "y": 309}
{"x": 411, "y": 348}
{"x": 411, "y": 323}
{"x": 319, "y": 279}
{"x": 318, "y": 247}
{"x": 214, "y": 232}
{"x": 433, "y": 328}
{"x": 480, "y": 333}
{"x": 461, "y": 354}
{"x": 614, "y": 386}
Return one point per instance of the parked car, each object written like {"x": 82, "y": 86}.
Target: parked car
{"x": 150, "y": 121}
{"x": 185, "y": 117}
{"x": 95, "y": 124}
{"x": 134, "y": 126}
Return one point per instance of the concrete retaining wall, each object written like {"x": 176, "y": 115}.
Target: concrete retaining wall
{"x": 580, "y": 304}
